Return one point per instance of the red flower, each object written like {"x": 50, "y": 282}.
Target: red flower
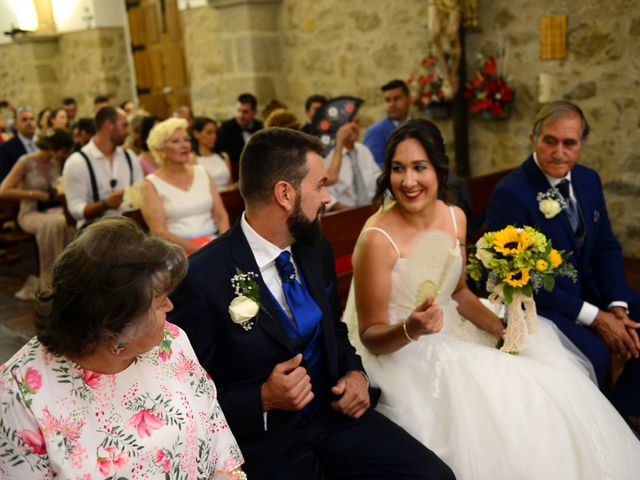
{"x": 489, "y": 66}
{"x": 349, "y": 107}
{"x": 33, "y": 440}
{"x": 33, "y": 379}
{"x": 91, "y": 379}
{"x": 324, "y": 125}
{"x": 428, "y": 62}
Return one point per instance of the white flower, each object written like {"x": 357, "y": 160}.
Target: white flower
{"x": 242, "y": 309}
{"x": 483, "y": 253}
{"x": 551, "y": 202}
{"x": 550, "y": 207}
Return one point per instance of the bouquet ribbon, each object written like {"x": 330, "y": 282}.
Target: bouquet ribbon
{"x": 519, "y": 323}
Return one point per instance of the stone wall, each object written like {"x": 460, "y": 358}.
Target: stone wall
{"x": 601, "y": 73}
{"x": 335, "y": 47}
{"x": 41, "y": 70}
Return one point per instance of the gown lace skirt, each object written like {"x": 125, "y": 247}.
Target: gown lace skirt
{"x": 492, "y": 415}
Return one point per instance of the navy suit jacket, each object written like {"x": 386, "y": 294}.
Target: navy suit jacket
{"x": 231, "y": 140}
{"x": 240, "y": 361}
{"x": 376, "y": 138}
{"x": 601, "y": 278}
{"x": 10, "y": 152}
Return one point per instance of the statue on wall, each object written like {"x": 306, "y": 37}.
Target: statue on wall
{"x": 445, "y": 17}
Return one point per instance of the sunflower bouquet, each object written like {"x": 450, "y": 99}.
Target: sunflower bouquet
{"x": 517, "y": 262}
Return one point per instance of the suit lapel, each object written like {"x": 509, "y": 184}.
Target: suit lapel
{"x": 541, "y": 184}
{"x": 243, "y": 259}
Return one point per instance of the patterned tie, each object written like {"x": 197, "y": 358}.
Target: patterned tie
{"x": 304, "y": 309}
{"x": 572, "y": 211}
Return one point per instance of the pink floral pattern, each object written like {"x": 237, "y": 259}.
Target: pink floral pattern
{"x": 159, "y": 418}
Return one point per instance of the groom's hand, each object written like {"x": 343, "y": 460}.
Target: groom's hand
{"x": 614, "y": 332}
{"x": 288, "y": 387}
{"x": 354, "y": 395}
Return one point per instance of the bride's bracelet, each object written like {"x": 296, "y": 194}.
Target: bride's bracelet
{"x": 404, "y": 329}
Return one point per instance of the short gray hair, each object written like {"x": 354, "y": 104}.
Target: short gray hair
{"x": 555, "y": 110}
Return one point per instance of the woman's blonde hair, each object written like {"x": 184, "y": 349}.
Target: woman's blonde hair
{"x": 161, "y": 133}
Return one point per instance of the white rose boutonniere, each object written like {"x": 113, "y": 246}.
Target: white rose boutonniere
{"x": 244, "y": 308}
{"x": 551, "y": 202}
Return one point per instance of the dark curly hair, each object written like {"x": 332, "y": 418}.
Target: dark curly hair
{"x": 428, "y": 135}
{"x": 103, "y": 284}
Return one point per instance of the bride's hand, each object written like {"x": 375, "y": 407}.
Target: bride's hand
{"x": 427, "y": 318}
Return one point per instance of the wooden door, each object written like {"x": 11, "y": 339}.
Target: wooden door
{"x": 158, "y": 55}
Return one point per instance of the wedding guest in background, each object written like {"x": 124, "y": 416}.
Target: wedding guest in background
{"x": 204, "y": 133}
{"x": 281, "y": 117}
{"x": 96, "y": 176}
{"x": 236, "y": 132}
{"x": 99, "y": 102}
{"x": 599, "y": 313}
{"x": 351, "y": 169}
{"x": 147, "y": 160}
{"x": 129, "y": 107}
{"x": 134, "y": 140}
{"x": 42, "y": 123}
{"x": 23, "y": 142}
{"x": 32, "y": 180}
{"x": 185, "y": 112}
{"x": 5, "y": 134}
{"x": 180, "y": 201}
{"x": 82, "y": 131}
{"x": 58, "y": 119}
{"x": 291, "y": 385}
{"x": 273, "y": 105}
{"x": 107, "y": 387}
{"x": 311, "y": 104}
{"x": 398, "y": 103}
{"x": 71, "y": 107}
{"x": 430, "y": 344}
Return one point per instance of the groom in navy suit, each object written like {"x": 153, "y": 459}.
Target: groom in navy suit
{"x": 259, "y": 305}
{"x": 598, "y": 312}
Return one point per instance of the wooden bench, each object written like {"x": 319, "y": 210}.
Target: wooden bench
{"x": 481, "y": 189}
{"x": 342, "y": 229}
{"x": 12, "y": 237}
{"x": 233, "y": 203}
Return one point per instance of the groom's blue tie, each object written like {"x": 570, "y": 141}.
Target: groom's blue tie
{"x": 304, "y": 309}
{"x": 573, "y": 212}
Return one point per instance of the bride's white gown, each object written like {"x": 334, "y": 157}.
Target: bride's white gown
{"x": 488, "y": 414}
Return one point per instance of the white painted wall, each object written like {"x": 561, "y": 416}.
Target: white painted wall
{"x": 68, "y": 15}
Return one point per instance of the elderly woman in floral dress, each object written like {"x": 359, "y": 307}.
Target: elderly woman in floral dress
{"x": 108, "y": 388}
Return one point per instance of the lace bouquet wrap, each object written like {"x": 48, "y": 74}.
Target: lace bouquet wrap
{"x": 516, "y": 263}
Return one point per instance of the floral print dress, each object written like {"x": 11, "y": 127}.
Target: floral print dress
{"x": 159, "y": 418}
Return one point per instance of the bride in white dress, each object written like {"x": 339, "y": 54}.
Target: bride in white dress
{"x": 487, "y": 414}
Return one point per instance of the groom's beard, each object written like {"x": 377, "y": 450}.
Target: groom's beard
{"x": 301, "y": 228}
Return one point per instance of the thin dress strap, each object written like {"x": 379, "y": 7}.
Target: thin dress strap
{"x": 393, "y": 244}
{"x": 455, "y": 224}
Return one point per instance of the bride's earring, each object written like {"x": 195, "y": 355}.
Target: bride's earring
{"x": 118, "y": 348}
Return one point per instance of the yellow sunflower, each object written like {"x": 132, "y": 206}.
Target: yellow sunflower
{"x": 542, "y": 265}
{"x": 518, "y": 278}
{"x": 507, "y": 241}
{"x": 555, "y": 258}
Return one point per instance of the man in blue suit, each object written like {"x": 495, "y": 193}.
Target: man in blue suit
{"x": 21, "y": 144}
{"x": 597, "y": 312}
{"x": 259, "y": 305}
{"x": 398, "y": 101}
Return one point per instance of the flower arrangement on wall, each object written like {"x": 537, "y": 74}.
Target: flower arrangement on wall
{"x": 489, "y": 92}
{"x": 431, "y": 93}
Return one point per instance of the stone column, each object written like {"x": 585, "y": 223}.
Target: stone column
{"x": 34, "y": 72}
{"x": 249, "y": 34}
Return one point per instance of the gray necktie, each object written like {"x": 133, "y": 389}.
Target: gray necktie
{"x": 359, "y": 185}
{"x": 572, "y": 211}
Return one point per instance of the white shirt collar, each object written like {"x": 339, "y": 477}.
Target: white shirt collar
{"x": 263, "y": 250}
{"x": 553, "y": 181}
{"x": 26, "y": 142}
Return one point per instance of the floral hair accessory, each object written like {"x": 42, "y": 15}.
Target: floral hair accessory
{"x": 244, "y": 308}
{"x": 516, "y": 263}
{"x": 551, "y": 202}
